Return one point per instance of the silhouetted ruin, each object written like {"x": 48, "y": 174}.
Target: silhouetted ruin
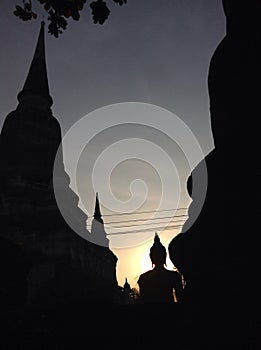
{"x": 47, "y": 262}
{"x": 43, "y": 261}
{"x": 218, "y": 253}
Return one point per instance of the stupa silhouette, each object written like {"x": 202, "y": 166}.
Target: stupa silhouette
{"x": 62, "y": 266}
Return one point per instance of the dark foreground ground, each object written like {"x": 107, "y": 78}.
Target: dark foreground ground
{"x": 127, "y": 326}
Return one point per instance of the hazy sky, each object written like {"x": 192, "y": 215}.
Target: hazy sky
{"x": 150, "y": 51}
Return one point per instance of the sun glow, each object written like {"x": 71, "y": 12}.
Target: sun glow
{"x": 134, "y": 261}
{"x": 147, "y": 265}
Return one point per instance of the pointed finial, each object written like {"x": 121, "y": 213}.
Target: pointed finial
{"x": 36, "y": 87}
{"x": 126, "y": 284}
{"x": 156, "y": 237}
{"x": 97, "y": 212}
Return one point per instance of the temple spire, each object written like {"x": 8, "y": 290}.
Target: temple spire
{"x": 97, "y": 212}
{"x": 97, "y": 228}
{"x": 126, "y": 284}
{"x": 36, "y": 88}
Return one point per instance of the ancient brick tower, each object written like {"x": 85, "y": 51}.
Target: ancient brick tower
{"x": 62, "y": 265}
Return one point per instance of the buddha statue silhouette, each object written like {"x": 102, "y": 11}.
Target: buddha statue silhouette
{"x": 158, "y": 285}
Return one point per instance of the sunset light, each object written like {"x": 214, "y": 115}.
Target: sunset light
{"x": 129, "y": 147}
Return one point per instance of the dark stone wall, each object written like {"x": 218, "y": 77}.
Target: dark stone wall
{"x": 219, "y": 254}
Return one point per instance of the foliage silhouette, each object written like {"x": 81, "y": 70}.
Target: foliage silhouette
{"x": 59, "y": 10}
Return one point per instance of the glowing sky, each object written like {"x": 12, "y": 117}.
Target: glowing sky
{"x": 148, "y": 51}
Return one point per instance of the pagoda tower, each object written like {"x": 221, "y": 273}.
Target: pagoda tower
{"x": 97, "y": 229}
{"x": 64, "y": 266}
{"x": 126, "y": 292}
{"x": 29, "y": 144}
{"x": 31, "y": 129}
